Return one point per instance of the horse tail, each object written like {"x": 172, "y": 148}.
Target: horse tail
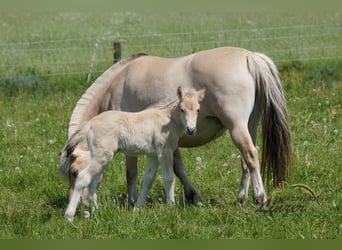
{"x": 66, "y": 154}
{"x": 276, "y": 142}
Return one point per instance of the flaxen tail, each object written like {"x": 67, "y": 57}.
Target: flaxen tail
{"x": 66, "y": 154}
{"x": 276, "y": 148}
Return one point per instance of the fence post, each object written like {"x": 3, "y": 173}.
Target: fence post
{"x": 93, "y": 59}
{"x": 117, "y": 51}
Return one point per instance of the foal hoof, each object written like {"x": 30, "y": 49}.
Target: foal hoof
{"x": 70, "y": 218}
{"x": 86, "y": 214}
{"x": 136, "y": 209}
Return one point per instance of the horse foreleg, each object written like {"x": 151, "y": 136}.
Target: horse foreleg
{"x": 191, "y": 195}
{"x": 132, "y": 178}
{"x": 150, "y": 174}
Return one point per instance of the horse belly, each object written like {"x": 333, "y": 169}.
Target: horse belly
{"x": 208, "y": 130}
{"x": 152, "y": 81}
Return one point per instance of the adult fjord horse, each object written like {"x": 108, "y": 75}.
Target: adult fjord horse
{"x": 242, "y": 87}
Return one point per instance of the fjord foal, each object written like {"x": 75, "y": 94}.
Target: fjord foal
{"x": 154, "y": 132}
{"x": 242, "y": 88}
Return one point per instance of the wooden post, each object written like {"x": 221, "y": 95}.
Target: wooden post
{"x": 117, "y": 51}
{"x": 93, "y": 60}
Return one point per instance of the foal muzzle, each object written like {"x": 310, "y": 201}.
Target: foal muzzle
{"x": 190, "y": 131}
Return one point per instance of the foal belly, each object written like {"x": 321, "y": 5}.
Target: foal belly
{"x": 208, "y": 129}
{"x": 136, "y": 146}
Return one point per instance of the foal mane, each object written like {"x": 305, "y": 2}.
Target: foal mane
{"x": 88, "y": 98}
{"x": 170, "y": 104}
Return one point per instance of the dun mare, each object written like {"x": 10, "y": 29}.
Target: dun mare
{"x": 154, "y": 132}
{"x": 242, "y": 88}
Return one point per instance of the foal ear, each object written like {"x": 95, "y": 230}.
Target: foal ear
{"x": 180, "y": 92}
{"x": 201, "y": 94}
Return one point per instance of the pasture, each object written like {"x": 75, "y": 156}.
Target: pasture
{"x": 45, "y": 63}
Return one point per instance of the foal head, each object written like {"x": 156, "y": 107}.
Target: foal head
{"x": 189, "y": 107}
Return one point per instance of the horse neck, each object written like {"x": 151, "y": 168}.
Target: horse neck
{"x": 98, "y": 96}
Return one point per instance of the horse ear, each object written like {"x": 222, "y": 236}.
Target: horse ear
{"x": 179, "y": 92}
{"x": 201, "y": 94}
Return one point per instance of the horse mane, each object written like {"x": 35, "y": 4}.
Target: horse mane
{"x": 100, "y": 84}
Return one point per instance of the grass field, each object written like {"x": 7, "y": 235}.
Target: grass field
{"x": 44, "y": 64}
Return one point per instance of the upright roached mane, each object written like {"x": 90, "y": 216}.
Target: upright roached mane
{"x": 154, "y": 132}
{"x": 242, "y": 88}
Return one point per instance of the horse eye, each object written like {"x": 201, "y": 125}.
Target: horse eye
{"x": 198, "y": 110}
{"x": 182, "y": 110}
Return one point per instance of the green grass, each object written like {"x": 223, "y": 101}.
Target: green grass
{"x": 35, "y": 109}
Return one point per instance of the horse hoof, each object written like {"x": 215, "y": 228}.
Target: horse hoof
{"x": 199, "y": 204}
{"x": 261, "y": 200}
{"x": 242, "y": 201}
{"x": 193, "y": 198}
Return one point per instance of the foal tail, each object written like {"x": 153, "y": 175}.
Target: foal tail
{"x": 276, "y": 146}
{"x": 66, "y": 154}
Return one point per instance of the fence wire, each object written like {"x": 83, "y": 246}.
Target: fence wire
{"x": 88, "y": 55}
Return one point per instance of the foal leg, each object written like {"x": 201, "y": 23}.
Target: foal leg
{"x": 87, "y": 178}
{"x": 82, "y": 181}
{"x": 132, "y": 178}
{"x": 92, "y": 188}
{"x": 190, "y": 192}
{"x": 150, "y": 174}
{"x": 169, "y": 178}
{"x": 244, "y": 142}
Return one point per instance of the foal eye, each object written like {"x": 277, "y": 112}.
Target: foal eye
{"x": 198, "y": 110}
{"x": 182, "y": 110}
{"x": 75, "y": 174}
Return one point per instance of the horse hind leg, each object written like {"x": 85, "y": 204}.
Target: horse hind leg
{"x": 250, "y": 165}
{"x": 245, "y": 180}
{"x": 244, "y": 184}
